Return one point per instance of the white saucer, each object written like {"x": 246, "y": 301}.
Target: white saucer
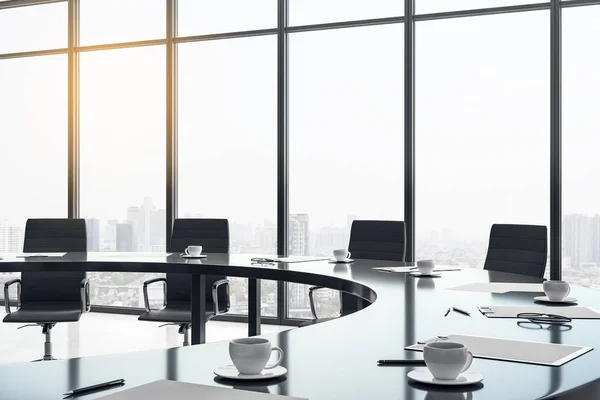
{"x": 424, "y": 376}
{"x": 346, "y": 261}
{"x": 567, "y": 300}
{"x": 432, "y": 275}
{"x": 193, "y": 257}
{"x": 231, "y": 372}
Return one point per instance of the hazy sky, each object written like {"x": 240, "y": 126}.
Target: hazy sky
{"x": 482, "y": 113}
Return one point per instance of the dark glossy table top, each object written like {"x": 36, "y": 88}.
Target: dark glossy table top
{"x": 336, "y": 359}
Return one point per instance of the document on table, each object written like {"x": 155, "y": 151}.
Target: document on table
{"x": 500, "y": 287}
{"x": 40, "y": 255}
{"x": 513, "y": 350}
{"x": 414, "y": 269}
{"x": 297, "y": 259}
{"x": 167, "y": 390}
{"x": 573, "y": 312}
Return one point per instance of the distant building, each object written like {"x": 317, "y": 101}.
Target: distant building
{"x": 298, "y": 235}
{"x": 125, "y": 237}
{"x": 11, "y": 238}
{"x": 148, "y": 226}
{"x": 266, "y": 237}
{"x": 581, "y": 238}
{"x": 93, "y": 234}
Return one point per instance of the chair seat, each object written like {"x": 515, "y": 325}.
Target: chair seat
{"x": 176, "y": 315}
{"x": 46, "y": 313}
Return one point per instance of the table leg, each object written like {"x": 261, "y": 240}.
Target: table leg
{"x": 198, "y": 307}
{"x": 253, "y": 307}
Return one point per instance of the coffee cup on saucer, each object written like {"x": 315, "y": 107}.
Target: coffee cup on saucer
{"x": 556, "y": 290}
{"x": 193, "y": 251}
{"x": 341, "y": 255}
{"x": 250, "y": 355}
{"x": 446, "y": 360}
{"x": 425, "y": 266}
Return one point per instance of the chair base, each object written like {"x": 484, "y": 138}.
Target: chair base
{"x": 46, "y": 358}
{"x": 47, "y": 341}
{"x": 184, "y": 329}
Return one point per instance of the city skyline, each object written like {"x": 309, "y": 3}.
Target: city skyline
{"x": 143, "y": 230}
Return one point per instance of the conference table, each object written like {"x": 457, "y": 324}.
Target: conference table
{"x": 336, "y": 359}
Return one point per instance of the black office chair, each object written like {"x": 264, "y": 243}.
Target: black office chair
{"x": 374, "y": 240}
{"x": 46, "y": 298}
{"x": 518, "y": 249}
{"x": 213, "y": 236}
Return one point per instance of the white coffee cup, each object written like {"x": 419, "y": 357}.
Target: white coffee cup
{"x": 193, "y": 251}
{"x": 556, "y": 290}
{"x": 250, "y": 355}
{"x": 341, "y": 254}
{"x": 425, "y": 266}
{"x": 446, "y": 360}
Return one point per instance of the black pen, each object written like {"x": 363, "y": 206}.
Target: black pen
{"x": 99, "y": 386}
{"x": 448, "y": 312}
{"x": 400, "y": 362}
{"x": 458, "y": 310}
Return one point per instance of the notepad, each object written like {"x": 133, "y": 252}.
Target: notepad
{"x": 573, "y": 312}
{"x": 414, "y": 269}
{"x": 163, "y": 390}
{"x": 539, "y": 353}
{"x": 500, "y": 287}
{"x": 40, "y": 255}
{"x": 297, "y": 259}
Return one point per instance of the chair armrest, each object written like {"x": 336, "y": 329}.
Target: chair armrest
{"x": 313, "y": 309}
{"x": 85, "y": 295}
{"x": 215, "y": 296}
{"x": 149, "y": 282}
{"x": 7, "y": 297}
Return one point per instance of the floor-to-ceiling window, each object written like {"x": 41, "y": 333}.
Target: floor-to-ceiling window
{"x": 122, "y": 171}
{"x": 346, "y": 139}
{"x": 33, "y": 121}
{"x": 482, "y": 131}
{"x": 227, "y": 146}
{"x": 482, "y": 125}
{"x": 581, "y": 164}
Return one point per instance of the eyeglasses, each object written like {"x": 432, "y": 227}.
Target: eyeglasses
{"x": 262, "y": 261}
{"x": 544, "y": 321}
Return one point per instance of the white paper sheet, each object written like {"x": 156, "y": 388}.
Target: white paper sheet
{"x": 573, "y": 312}
{"x": 500, "y": 287}
{"x": 167, "y": 390}
{"x": 414, "y": 269}
{"x": 297, "y": 259}
{"x": 514, "y": 350}
{"x": 40, "y": 255}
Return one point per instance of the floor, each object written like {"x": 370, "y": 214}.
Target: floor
{"x": 98, "y": 334}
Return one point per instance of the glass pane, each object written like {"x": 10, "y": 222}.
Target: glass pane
{"x": 114, "y": 21}
{"x": 199, "y": 17}
{"x": 581, "y": 166}
{"x": 228, "y": 145}
{"x": 123, "y": 161}
{"x": 346, "y": 137}
{"x": 482, "y": 136}
{"x": 307, "y": 12}
{"x": 435, "y": 6}
{"x": 31, "y": 28}
{"x": 33, "y": 122}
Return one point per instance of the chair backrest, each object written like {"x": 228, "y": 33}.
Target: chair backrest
{"x": 378, "y": 240}
{"x": 53, "y": 235}
{"x": 518, "y": 249}
{"x": 212, "y": 235}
